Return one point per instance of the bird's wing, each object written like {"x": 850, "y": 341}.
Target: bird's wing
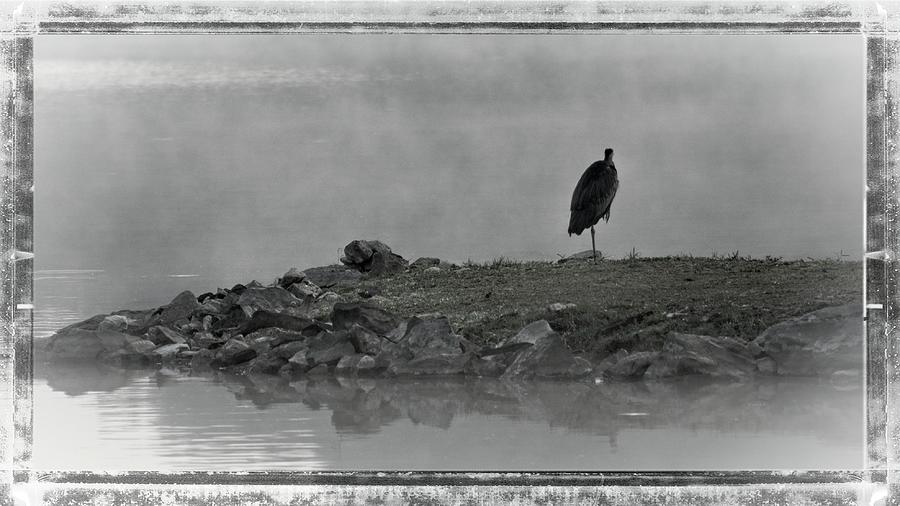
{"x": 597, "y": 187}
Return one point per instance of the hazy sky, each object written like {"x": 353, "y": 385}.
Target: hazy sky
{"x": 219, "y": 154}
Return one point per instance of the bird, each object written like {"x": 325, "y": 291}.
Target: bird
{"x": 593, "y": 197}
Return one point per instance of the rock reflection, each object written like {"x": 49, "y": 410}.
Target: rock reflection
{"x": 226, "y": 421}
{"x": 364, "y": 406}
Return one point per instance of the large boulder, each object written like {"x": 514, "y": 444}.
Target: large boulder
{"x": 373, "y": 257}
{"x": 160, "y": 335}
{"x": 232, "y": 353}
{"x": 264, "y": 319}
{"x": 632, "y": 365}
{"x": 333, "y": 276}
{"x": 75, "y": 344}
{"x": 428, "y": 336}
{"x": 177, "y": 311}
{"x": 364, "y": 340}
{"x": 273, "y": 299}
{"x": 330, "y": 348}
{"x": 346, "y": 314}
{"x": 817, "y": 343}
{"x": 691, "y": 354}
{"x": 294, "y": 275}
{"x": 530, "y": 333}
{"x": 80, "y": 344}
{"x": 269, "y": 363}
{"x": 548, "y": 358}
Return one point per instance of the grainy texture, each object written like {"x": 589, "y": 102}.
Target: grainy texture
{"x": 879, "y": 21}
{"x": 15, "y": 247}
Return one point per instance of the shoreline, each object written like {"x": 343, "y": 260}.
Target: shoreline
{"x": 378, "y": 314}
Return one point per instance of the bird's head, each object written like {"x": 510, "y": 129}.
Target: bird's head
{"x": 608, "y": 154}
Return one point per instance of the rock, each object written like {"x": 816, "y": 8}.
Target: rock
{"x": 213, "y": 307}
{"x": 548, "y": 358}
{"x": 322, "y": 306}
{"x": 263, "y": 319}
{"x": 386, "y": 263}
{"x": 346, "y": 314}
{"x": 432, "y": 365}
{"x": 169, "y": 351}
{"x": 206, "y": 340}
{"x": 202, "y": 359}
{"x": 373, "y": 257}
{"x": 505, "y": 353}
{"x": 609, "y": 361}
{"x": 765, "y": 365}
{"x": 296, "y": 365}
{"x": 425, "y": 262}
{"x": 113, "y": 323}
{"x": 333, "y": 275}
{"x": 468, "y": 346}
{"x": 355, "y": 364}
{"x": 580, "y": 256}
{"x": 817, "y": 343}
{"x": 76, "y": 344}
{"x": 433, "y": 270}
{"x": 232, "y": 320}
{"x": 142, "y": 346}
{"x": 478, "y": 366}
{"x": 80, "y": 344}
{"x": 530, "y": 333}
{"x": 273, "y": 299}
{"x": 364, "y": 340}
{"x": 180, "y": 309}
{"x": 289, "y": 349}
{"x": 304, "y": 290}
{"x": 430, "y": 335}
{"x": 632, "y": 366}
{"x": 294, "y": 275}
{"x": 268, "y": 364}
{"x": 319, "y": 370}
{"x": 357, "y": 252}
{"x": 160, "y": 335}
{"x": 332, "y": 354}
{"x": 279, "y": 336}
{"x": 556, "y": 307}
{"x": 691, "y": 354}
{"x": 232, "y": 353}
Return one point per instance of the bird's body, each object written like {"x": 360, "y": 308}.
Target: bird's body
{"x": 593, "y": 196}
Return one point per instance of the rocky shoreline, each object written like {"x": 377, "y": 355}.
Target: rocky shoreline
{"x": 297, "y": 327}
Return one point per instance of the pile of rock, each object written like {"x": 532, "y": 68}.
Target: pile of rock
{"x": 821, "y": 343}
{"x": 295, "y": 327}
{"x": 267, "y": 330}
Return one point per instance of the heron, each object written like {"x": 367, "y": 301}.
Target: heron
{"x": 593, "y": 197}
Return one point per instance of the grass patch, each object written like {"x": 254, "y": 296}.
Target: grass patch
{"x": 730, "y": 295}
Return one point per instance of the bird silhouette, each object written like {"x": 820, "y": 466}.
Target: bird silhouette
{"x": 593, "y": 197}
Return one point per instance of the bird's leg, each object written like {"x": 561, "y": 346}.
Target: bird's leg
{"x": 593, "y": 247}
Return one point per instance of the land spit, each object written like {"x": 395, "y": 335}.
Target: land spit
{"x": 376, "y": 314}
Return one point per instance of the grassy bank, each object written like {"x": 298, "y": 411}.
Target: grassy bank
{"x": 630, "y": 303}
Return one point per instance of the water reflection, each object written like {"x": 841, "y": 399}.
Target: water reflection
{"x": 223, "y": 421}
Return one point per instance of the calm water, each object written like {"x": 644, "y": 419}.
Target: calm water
{"x": 93, "y": 418}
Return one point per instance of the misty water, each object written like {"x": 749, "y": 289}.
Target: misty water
{"x": 98, "y": 418}
{"x": 165, "y": 163}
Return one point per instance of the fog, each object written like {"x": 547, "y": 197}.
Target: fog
{"x": 254, "y": 153}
